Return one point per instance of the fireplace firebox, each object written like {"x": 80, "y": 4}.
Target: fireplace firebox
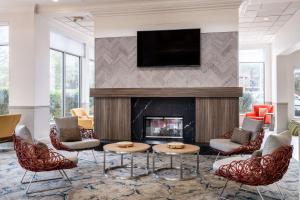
{"x": 163, "y": 127}
{"x": 161, "y": 119}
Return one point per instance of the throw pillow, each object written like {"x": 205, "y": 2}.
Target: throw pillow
{"x": 240, "y": 136}
{"x": 67, "y": 128}
{"x": 253, "y": 126}
{"x": 275, "y": 141}
{"x": 293, "y": 128}
{"x": 41, "y": 151}
{"x": 70, "y": 134}
{"x": 262, "y": 112}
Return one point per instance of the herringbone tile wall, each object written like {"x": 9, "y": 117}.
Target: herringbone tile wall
{"x": 116, "y": 65}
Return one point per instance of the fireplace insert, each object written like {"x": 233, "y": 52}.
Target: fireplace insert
{"x": 163, "y": 127}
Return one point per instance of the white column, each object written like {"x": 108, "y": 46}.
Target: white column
{"x": 29, "y": 70}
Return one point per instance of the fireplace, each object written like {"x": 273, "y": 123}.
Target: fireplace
{"x": 163, "y": 119}
{"x": 163, "y": 127}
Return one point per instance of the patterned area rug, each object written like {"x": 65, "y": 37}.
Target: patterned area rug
{"x": 90, "y": 183}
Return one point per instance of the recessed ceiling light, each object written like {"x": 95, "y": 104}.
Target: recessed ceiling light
{"x": 55, "y": 0}
{"x": 266, "y": 19}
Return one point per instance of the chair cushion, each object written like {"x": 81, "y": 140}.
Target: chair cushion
{"x": 240, "y": 136}
{"x": 262, "y": 112}
{"x": 67, "y": 128}
{"x": 74, "y": 159}
{"x": 23, "y": 132}
{"x": 224, "y": 145}
{"x": 84, "y": 144}
{"x": 274, "y": 141}
{"x": 257, "y": 153}
{"x": 226, "y": 161}
{"x": 252, "y": 125}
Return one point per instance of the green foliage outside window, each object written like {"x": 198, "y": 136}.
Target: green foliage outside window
{"x": 246, "y": 102}
{"x": 72, "y": 97}
{"x": 3, "y": 101}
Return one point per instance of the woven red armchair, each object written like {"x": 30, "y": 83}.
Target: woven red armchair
{"x": 88, "y": 142}
{"x": 247, "y": 148}
{"x": 258, "y": 171}
{"x": 38, "y": 158}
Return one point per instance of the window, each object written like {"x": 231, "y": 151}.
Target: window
{"x": 297, "y": 93}
{"x": 65, "y": 75}
{"x": 64, "y": 83}
{"x": 72, "y": 83}
{"x": 4, "y": 69}
{"x": 91, "y": 84}
{"x": 251, "y": 78}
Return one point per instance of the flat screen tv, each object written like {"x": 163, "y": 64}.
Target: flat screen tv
{"x": 168, "y": 48}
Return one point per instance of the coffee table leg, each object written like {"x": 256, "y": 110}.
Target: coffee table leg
{"x": 121, "y": 159}
{"x": 147, "y": 159}
{"x": 198, "y": 162}
{"x": 153, "y": 161}
{"x": 104, "y": 162}
{"x": 171, "y": 161}
{"x": 131, "y": 170}
{"x": 181, "y": 167}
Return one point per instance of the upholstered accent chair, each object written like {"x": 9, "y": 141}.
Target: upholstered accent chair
{"x": 87, "y": 141}
{"x": 224, "y": 146}
{"x": 264, "y": 167}
{"x": 8, "y": 124}
{"x": 84, "y": 120}
{"x": 37, "y": 157}
{"x": 263, "y": 112}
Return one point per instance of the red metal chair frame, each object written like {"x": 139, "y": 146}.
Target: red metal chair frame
{"x": 258, "y": 171}
{"x": 85, "y": 134}
{"x": 247, "y": 148}
{"x": 35, "y": 159}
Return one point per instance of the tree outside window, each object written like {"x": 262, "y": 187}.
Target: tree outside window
{"x": 251, "y": 78}
{"x": 64, "y": 83}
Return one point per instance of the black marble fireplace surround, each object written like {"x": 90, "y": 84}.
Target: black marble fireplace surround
{"x": 163, "y": 107}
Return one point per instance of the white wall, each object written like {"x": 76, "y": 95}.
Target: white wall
{"x": 286, "y": 43}
{"x": 224, "y": 20}
{"x": 288, "y": 64}
{"x": 29, "y": 66}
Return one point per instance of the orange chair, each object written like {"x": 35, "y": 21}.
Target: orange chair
{"x": 262, "y": 112}
{"x": 84, "y": 121}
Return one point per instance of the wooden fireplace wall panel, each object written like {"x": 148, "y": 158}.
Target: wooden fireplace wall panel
{"x": 113, "y": 118}
{"x": 215, "y": 116}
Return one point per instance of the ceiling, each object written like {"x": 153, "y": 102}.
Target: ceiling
{"x": 83, "y": 23}
{"x": 260, "y": 20}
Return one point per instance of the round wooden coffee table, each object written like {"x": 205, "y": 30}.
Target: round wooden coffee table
{"x": 165, "y": 150}
{"x": 136, "y": 148}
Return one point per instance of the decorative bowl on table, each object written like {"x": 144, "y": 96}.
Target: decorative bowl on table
{"x": 124, "y": 144}
{"x": 175, "y": 145}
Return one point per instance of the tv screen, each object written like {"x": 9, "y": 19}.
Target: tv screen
{"x": 168, "y": 48}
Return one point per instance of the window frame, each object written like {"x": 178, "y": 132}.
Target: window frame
{"x": 64, "y": 78}
{"x": 294, "y": 89}
{"x": 6, "y": 44}
{"x": 264, "y": 77}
